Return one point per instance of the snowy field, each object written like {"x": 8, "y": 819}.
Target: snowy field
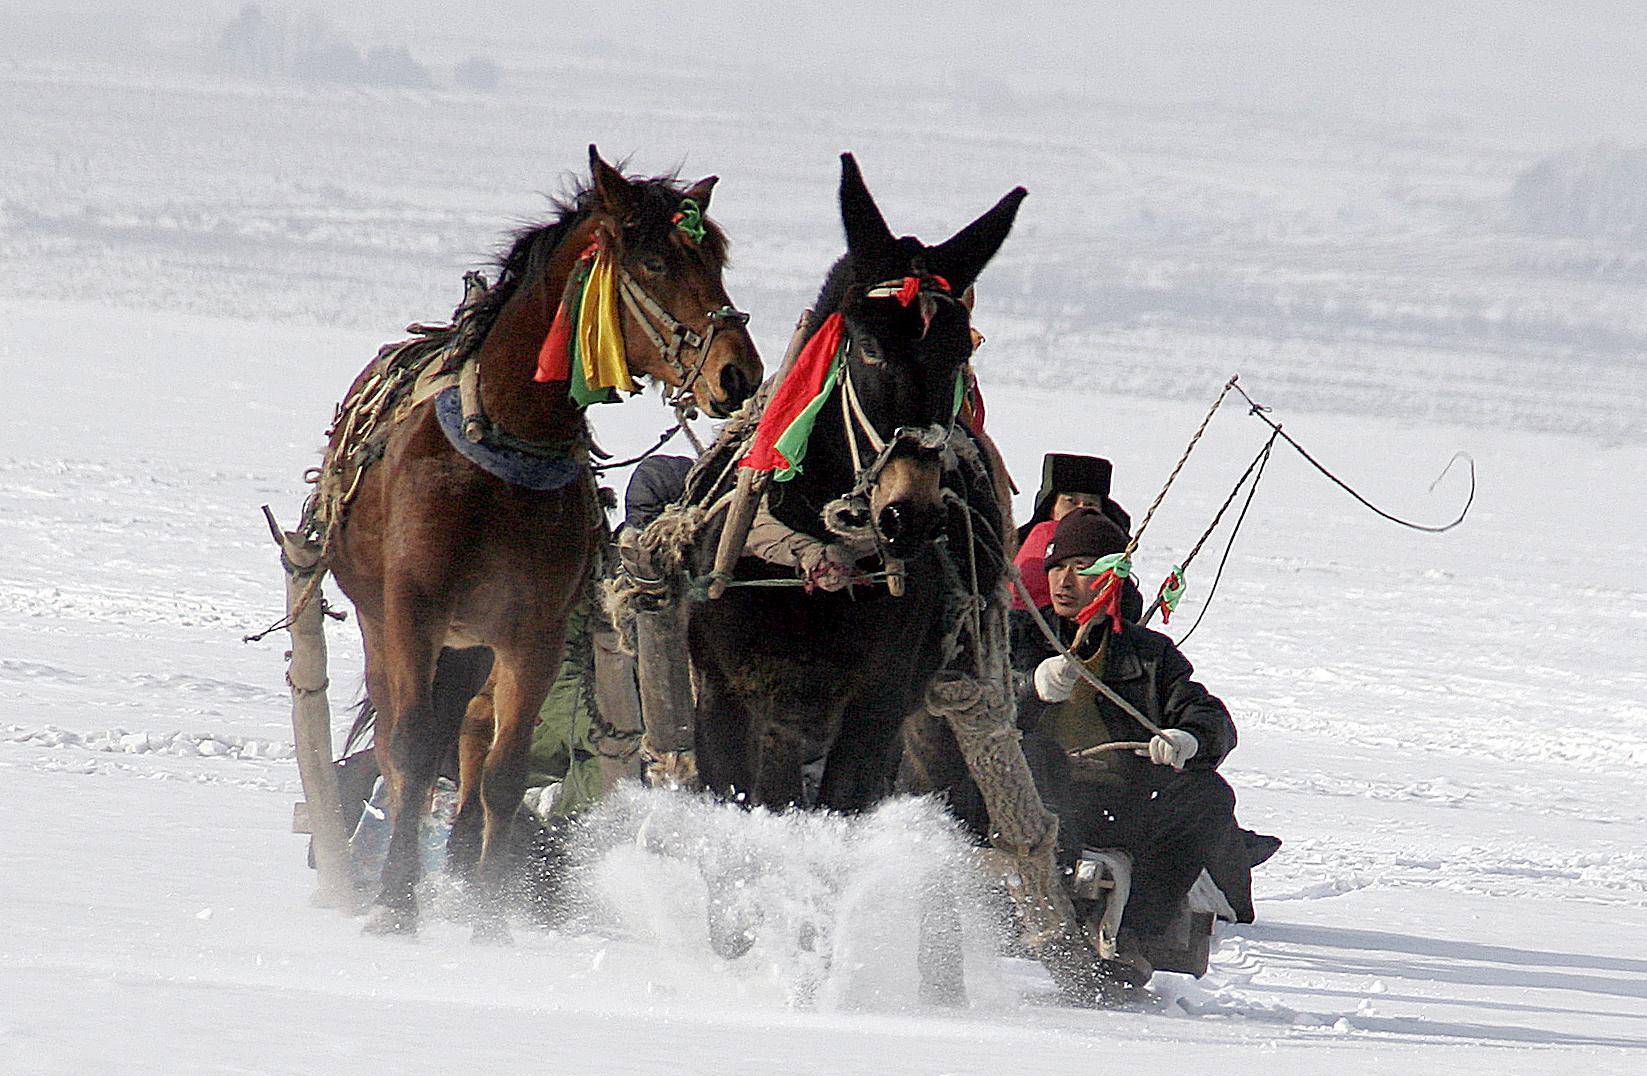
{"x": 1449, "y": 732}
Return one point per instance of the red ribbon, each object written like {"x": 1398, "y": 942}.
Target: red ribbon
{"x": 911, "y": 287}
{"x": 800, "y": 386}
{"x": 555, "y": 356}
{"x": 1107, "y": 603}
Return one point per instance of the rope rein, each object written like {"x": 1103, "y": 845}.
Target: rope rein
{"x": 1086, "y": 674}
{"x": 1132, "y": 543}
{"x": 1258, "y": 463}
{"x": 1262, "y": 461}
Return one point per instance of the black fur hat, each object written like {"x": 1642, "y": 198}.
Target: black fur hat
{"x": 1062, "y": 472}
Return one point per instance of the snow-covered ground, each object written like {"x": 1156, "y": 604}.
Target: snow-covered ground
{"x": 1449, "y": 732}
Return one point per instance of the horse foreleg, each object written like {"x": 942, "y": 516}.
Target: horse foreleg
{"x": 720, "y": 730}
{"x": 518, "y": 693}
{"x": 863, "y": 759}
{"x": 780, "y": 749}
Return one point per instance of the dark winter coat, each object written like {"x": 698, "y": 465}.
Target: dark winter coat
{"x": 1147, "y": 670}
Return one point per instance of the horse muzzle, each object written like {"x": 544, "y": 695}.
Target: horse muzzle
{"x": 906, "y": 526}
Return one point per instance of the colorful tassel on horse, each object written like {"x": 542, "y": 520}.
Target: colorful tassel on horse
{"x": 786, "y": 425}
{"x": 689, "y": 220}
{"x": 1112, "y": 572}
{"x": 585, "y": 341}
{"x": 555, "y": 356}
{"x": 600, "y": 336}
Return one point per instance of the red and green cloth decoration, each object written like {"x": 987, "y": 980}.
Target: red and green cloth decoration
{"x": 585, "y": 343}
{"x": 786, "y": 425}
{"x": 689, "y": 220}
{"x": 1112, "y": 572}
{"x": 1172, "y": 589}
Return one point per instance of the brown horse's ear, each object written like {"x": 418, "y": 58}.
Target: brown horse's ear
{"x": 962, "y": 256}
{"x": 700, "y": 191}
{"x": 969, "y": 297}
{"x": 867, "y": 235}
{"x": 612, "y": 191}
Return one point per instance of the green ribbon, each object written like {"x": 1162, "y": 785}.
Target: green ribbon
{"x": 689, "y": 219}
{"x": 792, "y": 443}
{"x": 1115, "y": 562}
{"x": 1172, "y": 590}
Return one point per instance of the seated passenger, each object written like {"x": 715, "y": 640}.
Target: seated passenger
{"x": 1167, "y": 806}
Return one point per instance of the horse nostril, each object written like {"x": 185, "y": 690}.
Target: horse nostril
{"x": 891, "y": 523}
{"x": 735, "y": 384}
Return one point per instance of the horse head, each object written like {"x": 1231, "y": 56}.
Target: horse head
{"x": 906, "y": 310}
{"x": 678, "y": 325}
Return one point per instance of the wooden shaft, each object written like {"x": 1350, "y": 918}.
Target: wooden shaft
{"x": 666, "y": 700}
{"x": 740, "y": 516}
{"x": 312, "y": 726}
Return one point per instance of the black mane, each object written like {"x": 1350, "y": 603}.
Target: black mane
{"x": 530, "y": 247}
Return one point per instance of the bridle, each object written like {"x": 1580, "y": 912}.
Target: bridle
{"x": 849, "y": 515}
{"x": 655, "y": 321}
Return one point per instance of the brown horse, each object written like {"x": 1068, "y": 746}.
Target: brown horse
{"x": 440, "y": 555}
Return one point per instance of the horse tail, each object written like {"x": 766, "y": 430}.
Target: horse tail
{"x": 365, "y": 718}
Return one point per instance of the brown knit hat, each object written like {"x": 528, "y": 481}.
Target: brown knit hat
{"x": 1085, "y": 532}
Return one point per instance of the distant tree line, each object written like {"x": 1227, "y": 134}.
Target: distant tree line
{"x": 253, "y": 43}
{"x": 1595, "y": 193}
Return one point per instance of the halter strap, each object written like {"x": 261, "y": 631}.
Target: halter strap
{"x": 650, "y": 315}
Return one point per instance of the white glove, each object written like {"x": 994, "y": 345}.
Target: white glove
{"x": 1173, "y": 747}
{"x": 1055, "y": 678}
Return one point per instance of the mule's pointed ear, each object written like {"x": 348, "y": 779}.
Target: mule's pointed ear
{"x": 866, "y": 232}
{"x": 612, "y": 191}
{"x": 700, "y": 191}
{"x": 963, "y": 255}
{"x": 969, "y": 298}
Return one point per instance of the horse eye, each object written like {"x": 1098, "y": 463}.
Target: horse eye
{"x": 653, "y": 265}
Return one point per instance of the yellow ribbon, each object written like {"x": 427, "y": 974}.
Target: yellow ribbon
{"x": 600, "y": 337}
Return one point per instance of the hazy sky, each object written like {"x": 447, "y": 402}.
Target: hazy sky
{"x": 1552, "y": 67}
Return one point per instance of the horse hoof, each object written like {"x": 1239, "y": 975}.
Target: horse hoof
{"x": 383, "y": 920}
{"x": 730, "y": 936}
{"x": 492, "y": 932}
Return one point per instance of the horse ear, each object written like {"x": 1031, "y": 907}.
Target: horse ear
{"x": 969, "y": 298}
{"x": 612, "y": 191}
{"x": 866, "y": 232}
{"x": 700, "y": 191}
{"x": 963, "y": 255}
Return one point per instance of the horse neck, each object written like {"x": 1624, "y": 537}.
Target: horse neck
{"x": 508, "y": 360}
{"x": 825, "y": 474}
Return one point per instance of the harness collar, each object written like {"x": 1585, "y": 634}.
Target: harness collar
{"x": 520, "y": 463}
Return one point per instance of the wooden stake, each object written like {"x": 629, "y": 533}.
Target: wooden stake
{"x": 312, "y": 722}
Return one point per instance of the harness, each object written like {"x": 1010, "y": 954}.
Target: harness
{"x": 848, "y": 516}
{"x": 654, "y": 321}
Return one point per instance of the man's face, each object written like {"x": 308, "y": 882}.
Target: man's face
{"x": 1071, "y": 591}
{"x": 1065, "y": 503}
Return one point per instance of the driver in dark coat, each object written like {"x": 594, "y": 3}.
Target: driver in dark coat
{"x": 1166, "y": 806}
